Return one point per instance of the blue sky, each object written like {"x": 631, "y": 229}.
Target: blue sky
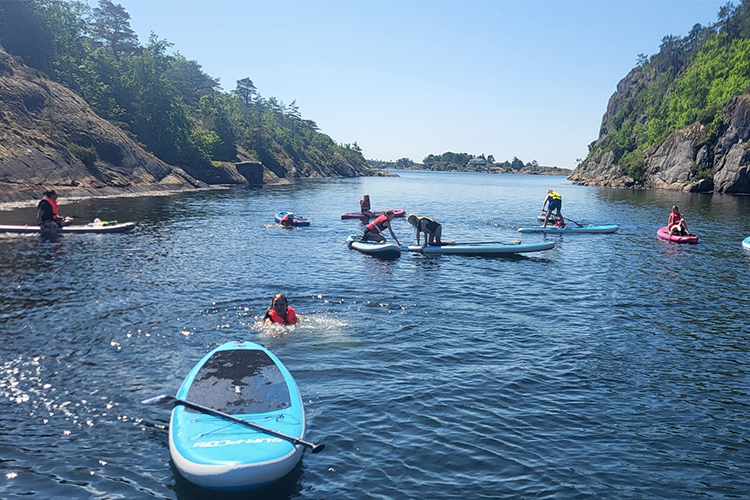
{"x": 409, "y": 78}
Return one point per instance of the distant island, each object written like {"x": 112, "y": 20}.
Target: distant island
{"x": 464, "y": 162}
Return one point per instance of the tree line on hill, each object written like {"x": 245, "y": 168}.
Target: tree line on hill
{"x": 687, "y": 81}
{"x": 464, "y": 162}
{"x": 165, "y": 102}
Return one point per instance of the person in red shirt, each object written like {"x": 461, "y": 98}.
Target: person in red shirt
{"x": 280, "y": 312}
{"x": 677, "y": 224}
{"x": 365, "y": 207}
{"x": 374, "y": 228}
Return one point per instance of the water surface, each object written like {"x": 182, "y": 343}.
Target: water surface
{"x": 613, "y": 366}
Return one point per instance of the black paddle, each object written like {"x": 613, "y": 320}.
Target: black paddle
{"x": 316, "y": 448}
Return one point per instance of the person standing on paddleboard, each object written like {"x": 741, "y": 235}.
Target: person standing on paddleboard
{"x": 365, "y": 207}
{"x": 677, "y": 223}
{"x": 432, "y": 230}
{"x": 553, "y": 202}
{"x": 46, "y": 214}
{"x": 374, "y": 228}
{"x": 280, "y": 312}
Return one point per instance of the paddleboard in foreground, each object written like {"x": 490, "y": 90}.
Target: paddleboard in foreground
{"x": 88, "y": 228}
{"x": 248, "y": 382}
{"x": 663, "y": 234}
{"x": 590, "y": 229}
{"x": 397, "y": 212}
{"x": 383, "y": 250}
{"x": 299, "y": 221}
{"x": 746, "y": 243}
{"x": 490, "y": 248}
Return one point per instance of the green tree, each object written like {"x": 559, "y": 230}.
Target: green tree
{"x": 112, "y": 28}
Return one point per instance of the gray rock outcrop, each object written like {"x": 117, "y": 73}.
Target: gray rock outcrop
{"x": 678, "y": 161}
{"x": 50, "y": 137}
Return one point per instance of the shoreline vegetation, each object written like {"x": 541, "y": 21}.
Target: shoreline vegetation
{"x": 464, "y": 162}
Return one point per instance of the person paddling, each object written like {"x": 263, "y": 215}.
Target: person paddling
{"x": 280, "y": 312}
{"x": 374, "y": 228}
{"x": 46, "y": 214}
{"x": 365, "y": 207}
{"x": 553, "y": 202}
{"x": 432, "y": 230}
{"x": 677, "y": 223}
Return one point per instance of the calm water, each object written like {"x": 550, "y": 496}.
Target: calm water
{"x": 614, "y": 366}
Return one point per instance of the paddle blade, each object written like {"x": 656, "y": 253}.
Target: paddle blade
{"x": 158, "y": 400}
{"x": 318, "y": 448}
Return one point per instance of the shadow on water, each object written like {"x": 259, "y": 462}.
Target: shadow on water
{"x": 287, "y": 487}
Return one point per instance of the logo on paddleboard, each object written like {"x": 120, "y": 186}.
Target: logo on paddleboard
{"x": 230, "y": 442}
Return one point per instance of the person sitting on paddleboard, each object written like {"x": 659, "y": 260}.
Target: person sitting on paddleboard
{"x": 432, "y": 230}
{"x": 365, "y": 207}
{"x": 287, "y": 220}
{"x": 280, "y": 312}
{"x": 553, "y": 202}
{"x": 374, "y": 228}
{"x": 46, "y": 214}
{"x": 677, "y": 224}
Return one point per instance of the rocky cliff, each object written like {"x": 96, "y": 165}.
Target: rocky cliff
{"x": 49, "y": 137}
{"x": 683, "y": 160}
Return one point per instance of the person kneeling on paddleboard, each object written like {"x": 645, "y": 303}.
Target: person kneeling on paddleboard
{"x": 46, "y": 214}
{"x": 553, "y": 202}
{"x": 365, "y": 207}
{"x": 432, "y": 230}
{"x": 280, "y": 312}
{"x": 374, "y": 228}
{"x": 287, "y": 220}
{"x": 677, "y": 224}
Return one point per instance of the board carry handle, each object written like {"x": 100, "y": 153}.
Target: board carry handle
{"x": 316, "y": 448}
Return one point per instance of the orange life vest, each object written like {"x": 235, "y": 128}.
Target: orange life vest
{"x": 53, "y": 204}
{"x": 377, "y": 225}
{"x": 289, "y": 319}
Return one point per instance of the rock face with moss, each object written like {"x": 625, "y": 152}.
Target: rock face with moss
{"x": 49, "y": 137}
{"x": 689, "y": 159}
{"x": 681, "y": 118}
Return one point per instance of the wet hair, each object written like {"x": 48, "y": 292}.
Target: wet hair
{"x": 277, "y": 297}
{"x": 412, "y": 219}
{"x": 366, "y": 196}
{"x": 50, "y": 193}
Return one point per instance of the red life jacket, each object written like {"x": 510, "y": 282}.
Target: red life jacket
{"x": 364, "y": 206}
{"x": 674, "y": 218}
{"x": 377, "y": 224}
{"x": 53, "y": 204}
{"x": 289, "y": 319}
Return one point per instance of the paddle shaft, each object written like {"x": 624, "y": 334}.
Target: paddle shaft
{"x": 210, "y": 411}
{"x": 568, "y": 218}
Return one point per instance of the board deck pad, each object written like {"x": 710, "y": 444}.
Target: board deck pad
{"x": 240, "y": 382}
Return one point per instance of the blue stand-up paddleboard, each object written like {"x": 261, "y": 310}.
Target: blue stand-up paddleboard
{"x": 246, "y": 382}
{"x": 299, "y": 221}
{"x": 590, "y": 229}
{"x": 489, "y": 249}
{"x": 88, "y": 228}
{"x": 381, "y": 250}
{"x": 746, "y": 243}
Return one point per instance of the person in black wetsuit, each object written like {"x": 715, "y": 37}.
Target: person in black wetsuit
{"x": 46, "y": 214}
